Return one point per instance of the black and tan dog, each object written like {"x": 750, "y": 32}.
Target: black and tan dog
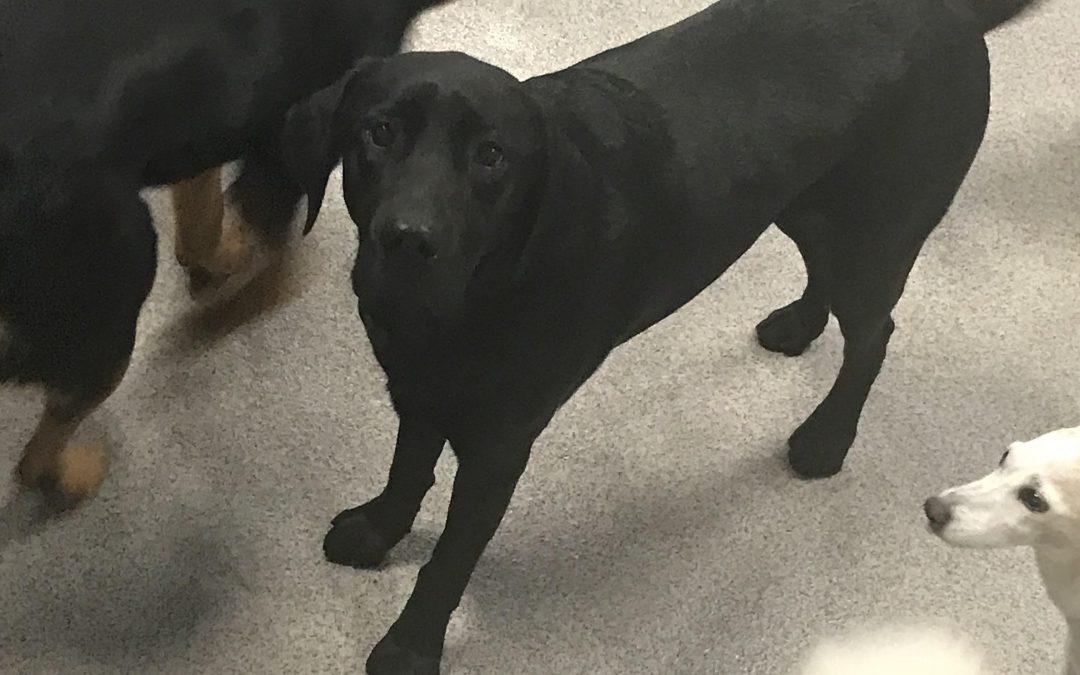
{"x": 512, "y": 234}
{"x": 101, "y": 99}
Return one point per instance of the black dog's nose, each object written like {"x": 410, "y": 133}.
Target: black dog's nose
{"x": 416, "y": 241}
{"x": 938, "y": 512}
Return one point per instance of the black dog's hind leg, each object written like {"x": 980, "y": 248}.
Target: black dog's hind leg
{"x": 882, "y": 203}
{"x": 225, "y": 242}
{"x": 487, "y": 475}
{"x": 877, "y": 236}
{"x": 817, "y": 449}
{"x": 362, "y": 536}
{"x": 792, "y": 328}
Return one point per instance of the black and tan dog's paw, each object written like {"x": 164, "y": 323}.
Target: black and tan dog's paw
{"x": 76, "y": 475}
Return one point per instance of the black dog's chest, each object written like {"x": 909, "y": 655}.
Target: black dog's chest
{"x": 478, "y": 374}
{"x": 418, "y": 365}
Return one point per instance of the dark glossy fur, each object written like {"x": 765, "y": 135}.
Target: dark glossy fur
{"x": 513, "y": 234}
{"x": 101, "y": 99}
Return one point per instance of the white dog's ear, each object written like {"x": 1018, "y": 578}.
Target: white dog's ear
{"x": 311, "y": 137}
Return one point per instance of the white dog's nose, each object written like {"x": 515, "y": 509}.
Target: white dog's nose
{"x": 938, "y": 512}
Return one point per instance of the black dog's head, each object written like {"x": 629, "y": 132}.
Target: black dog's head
{"x": 443, "y": 156}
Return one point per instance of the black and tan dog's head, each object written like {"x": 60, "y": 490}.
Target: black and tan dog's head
{"x": 442, "y": 155}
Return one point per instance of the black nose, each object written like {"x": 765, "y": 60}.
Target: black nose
{"x": 938, "y": 512}
{"x": 400, "y": 236}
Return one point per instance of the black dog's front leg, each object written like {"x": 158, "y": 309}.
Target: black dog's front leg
{"x": 362, "y": 536}
{"x": 483, "y": 487}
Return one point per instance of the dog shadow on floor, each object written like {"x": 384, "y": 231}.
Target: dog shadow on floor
{"x": 97, "y": 585}
{"x": 24, "y": 515}
{"x": 118, "y": 607}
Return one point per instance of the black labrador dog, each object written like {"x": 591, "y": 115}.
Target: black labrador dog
{"x": 511, "y": 234}
{"x": 101, "y": 99}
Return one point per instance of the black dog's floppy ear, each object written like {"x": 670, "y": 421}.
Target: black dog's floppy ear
{"x": 311, "y": 139}
{"x": 568, "y": 193}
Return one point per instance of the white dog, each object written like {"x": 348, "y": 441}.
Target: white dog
{"x": 1031, "y": 499}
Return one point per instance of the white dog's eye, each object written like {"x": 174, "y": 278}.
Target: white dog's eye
{"x": 1004, "y": 457}
{"x": 1031, "y": 498}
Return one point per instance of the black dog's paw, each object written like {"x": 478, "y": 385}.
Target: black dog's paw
{"x": 354, "y": 541}
{"x": 791, "y": 329}
{"x": 814, "y": 452}
{"x": 391, "y": 658}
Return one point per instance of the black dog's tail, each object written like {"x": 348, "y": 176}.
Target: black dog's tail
{"x": 994, "y": 13}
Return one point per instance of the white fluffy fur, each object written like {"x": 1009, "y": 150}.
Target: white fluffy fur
{"x": 896, "y": 651}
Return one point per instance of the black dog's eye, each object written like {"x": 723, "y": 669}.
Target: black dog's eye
{"x": 489, "y": 154}
{"x": 1031, "y": 498}
{"x": 382, "y": 133}
{"x": 1003, "y": 458}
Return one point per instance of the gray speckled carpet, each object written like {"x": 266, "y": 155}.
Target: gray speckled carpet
{"x": 657, "y": 530}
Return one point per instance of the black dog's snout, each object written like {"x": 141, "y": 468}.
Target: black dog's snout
{"x": 413, "y": 240}
{"x": 938, "y": 512}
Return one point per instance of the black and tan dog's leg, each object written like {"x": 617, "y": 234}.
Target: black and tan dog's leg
{"x": 215, "y": 243}
{"x": 225, "y": 241}
{"x": 50, "y": 462}
{"x": 199, "y": 207}
{"x": 487, "y": 475}
{"x": 78, "y": 338}
{"x": 262, "y": 201}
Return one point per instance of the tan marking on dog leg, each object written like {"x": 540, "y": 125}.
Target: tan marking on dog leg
{"x": 48, "y": 463}
{"x": 239, "y": 243}
{"x": 199, "y": 208}
{"x": 241, "y": 255}
{"x": 39, "y": 465}
{"x": 81, "y": 469}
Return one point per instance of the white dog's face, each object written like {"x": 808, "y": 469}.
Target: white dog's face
{"x": 1033, "y": 497}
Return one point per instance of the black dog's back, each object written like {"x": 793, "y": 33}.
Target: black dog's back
{"x": 739, "y": 110}
{"x": 744, "y": 50}
{"x": 739, "y": 81}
